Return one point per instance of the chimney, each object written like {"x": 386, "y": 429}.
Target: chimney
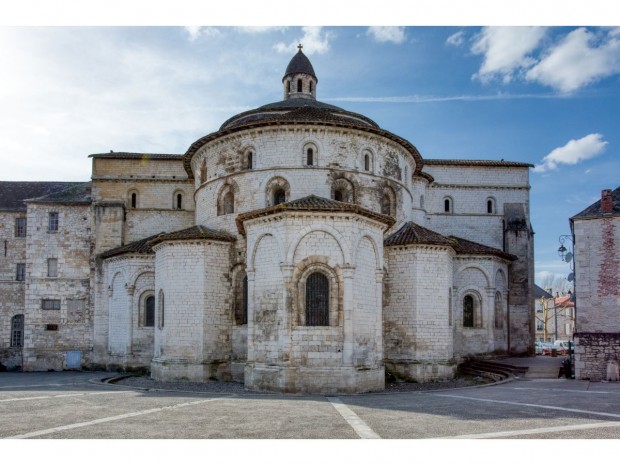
{"x": 607, "y": 201}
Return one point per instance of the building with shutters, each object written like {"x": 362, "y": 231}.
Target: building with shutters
{"x": 299, "y": 248}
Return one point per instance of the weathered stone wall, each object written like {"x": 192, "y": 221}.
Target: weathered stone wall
{"x": 45, "y": 346}
{"x": 285, "y": 354}
{"x": 193, "y": 338}
{"x": 144, "y": 223}
{"x": 12, "y": 292}
{"x": 417, "y": 323}
{"x": 593, "y": 352}
{"x": 597, "y": 268}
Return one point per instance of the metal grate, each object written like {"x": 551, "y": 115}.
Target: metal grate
{"x": 317, "y": 300}
{"x": 468, "y": 311}
{"x": 17, "y": 331}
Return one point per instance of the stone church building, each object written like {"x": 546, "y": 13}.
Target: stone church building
{"x": 299, "y": 248}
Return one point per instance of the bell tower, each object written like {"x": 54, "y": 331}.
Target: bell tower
{"x": 299, "y": 80}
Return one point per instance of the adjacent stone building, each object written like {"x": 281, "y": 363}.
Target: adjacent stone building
{"x": 299, "y": 248}
{"x": 596, "y": 232}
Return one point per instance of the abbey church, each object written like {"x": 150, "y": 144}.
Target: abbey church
{"x": 299, "y": 248}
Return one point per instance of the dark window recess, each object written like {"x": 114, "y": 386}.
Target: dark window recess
{"x": 149, "y": 311}
{"x": 229, "y": 203}
{"x": 299, "y": 85}
{"x": 51, "y": 327}
{"x": 244, "y": 320}
{"x": 288, "y": 85}
{"x": 386, "y": 205}
{"x": 20, "y": 272}
{"x": 309, "y": 157}
{"x": 446, "y": 205}
{"x": 17, "y": 331}
{"x": 489, "y": 206}
{"x": 468, "y": 311}
{"x": 134, "y": 200}
{"x": 317, "y": 300}
{"x": 366, "y": 162}
{"x": 248, "y": 164}
{"x": 20, "y": 227}
{"x": 53, "y": 222}
{"x": 179, "y": 201}
{"x": 310, "y": 86}
{"x": 50, "y": 304}
{"x": 338, "y": 196}
{"x": 279, "y": 196}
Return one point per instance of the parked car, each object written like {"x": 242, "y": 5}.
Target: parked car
{"x": 538, "y": 347}
{"x": 562, "y": 347}
{"x": 546, "y": 348}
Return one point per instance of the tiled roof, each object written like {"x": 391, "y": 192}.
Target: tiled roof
{"x": 594, "y": 210}
{"x": 134, "y": 155}
{"x": 79, "y": 193}
{"x": 501, "y": 163}
{"x": 145, "y": 246}
{"x": 411, "y": 233}
{"x": 465, "y": 247}
{"x": 195, "y": 232}
{"x": 137, "y": 247}
{"x": 315, "y": 204}
{"x": 565, "y": 301}
{"x": 13, "y": 194}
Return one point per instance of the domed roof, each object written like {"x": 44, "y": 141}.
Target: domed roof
{"x": 300, "y": 64}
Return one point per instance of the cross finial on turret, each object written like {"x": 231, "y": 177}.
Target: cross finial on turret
{"x": 300, "y": 47}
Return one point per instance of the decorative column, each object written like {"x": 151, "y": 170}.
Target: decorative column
{"x": 250, "y": 273}
{"x": 286, "y": 317}
{"x": 348, "y": 272}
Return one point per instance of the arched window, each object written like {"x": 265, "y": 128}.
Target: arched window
{"x": 298, "y": 85}
{"x": 229, "y": 203}
{"x": 309, "y": 156}
{"x": 499, "y": 311}
{"x": 338, "y": 196}
{"x": 490, "y": 206}
{"x": 241, "y": 299}
{"x": 317, "y": 300}
{"x": 367, "y": 162}
{"x": 279, "y": 196}
{"x": 203, "y": 172}
{"x": 17, "y": 331}
{"x": 310, "y": 86}
{"x": 468, "y": 311}
{"x": 149, "y": 311}
{"x": 447, "y": 205}
{"x": 288, "y": 87}
{"x": 161, "y": 308}
{"x": 248, "y": 160}
{"x": 179, "y": 201}
{"x": 133, "y": 202}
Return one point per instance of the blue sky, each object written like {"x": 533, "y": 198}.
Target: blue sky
{"x": 545, "y": 96}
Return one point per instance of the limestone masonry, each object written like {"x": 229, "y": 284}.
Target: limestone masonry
{"x": 299, "y": 248}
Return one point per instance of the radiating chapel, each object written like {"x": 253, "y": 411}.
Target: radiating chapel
{"x": 299, "y": 248}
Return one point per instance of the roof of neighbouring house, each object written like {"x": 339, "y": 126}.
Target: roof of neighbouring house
{"x": 540, "y": 292}
{"x": 14, "y": 193}
{"x": 78, "y": 193}
{"x": 594, "y": 210}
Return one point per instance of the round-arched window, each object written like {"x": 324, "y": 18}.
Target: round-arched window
{"x": 317, "y": 300}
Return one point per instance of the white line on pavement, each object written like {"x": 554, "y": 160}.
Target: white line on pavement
{"x": 575, "y": 391}
{"x": 15, "y": 399}
{"x": 359, "y": 426}
{"x": 521, "y": 404}
{"x": 522, "y": 432}
{"x": 43, "y": 385}
{"x": 108, "y": 419}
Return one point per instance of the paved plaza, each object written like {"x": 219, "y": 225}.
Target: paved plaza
{"x": 54, "y": 405}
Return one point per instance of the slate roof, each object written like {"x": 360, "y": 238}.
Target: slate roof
{"x": 499, "y": 163}
{"x": 145, "y": 246}
{"x": 135, "y": 155}
{"x": 412, "y": 233}
{"x": 78, "y": 193}
{"x": 594, "y": 210}
{"x": 313, "y": 203}
{"x": 300, "y": 64}
{"x": 540, "y": 292}
{"x": 13, "y": 193}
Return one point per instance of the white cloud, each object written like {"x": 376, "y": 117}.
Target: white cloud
{"x": 196, "y": 32}
{"x": 261, "y": 29}
{"x": 456, "y": 39}
{"x": 575, "y": 151}
{"x": 576, "y": 61}
{"x": 395, "y": 34}
{"x": 314, "y": 40}
{"x": 505, "y": 50}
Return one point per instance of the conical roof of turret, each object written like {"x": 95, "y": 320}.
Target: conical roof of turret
{"x": 300, "y": 64}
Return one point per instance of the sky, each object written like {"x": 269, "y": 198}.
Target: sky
{"x": 548, "y": 96}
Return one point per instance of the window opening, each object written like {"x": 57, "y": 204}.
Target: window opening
{"x": 17, "y": 331}
{"x": 134, "y": 200}
{"x": 50, "y": 304}
{"x": 53, "y": 222}
{"x": 279, "y": 196}
{"x": 20, "y": 272}
{"x": 386, "y": 206}
{"x": 446, "y": 205}
{"x": 52, "y": 267}
{"x": 310, "y": 86}
{"x": 149, "y": 311}
{"x": 309, "y": 157}
{"x": 20, "y": 227}
{"x": 298, "y": 85}
{"x": 468, "y": 311}
{"x": 338, "y": 196}
{"x": 229, "y": 203}
{"x": 367, "y": 162}
{"x": 180, "y": 201}
{"x": 249, "y": 161}
{"x": 317, "y": 300}
{"x": 489, "y": 206}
